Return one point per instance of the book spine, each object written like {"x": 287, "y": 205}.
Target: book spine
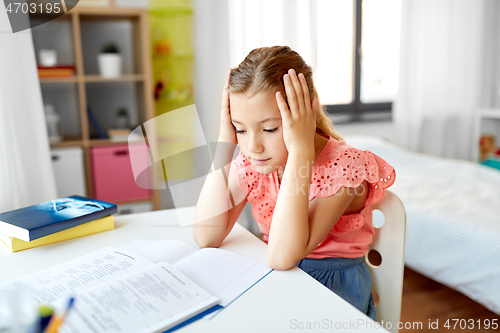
{"x": 89, "y": 228}
{"x": 96, "y": 125}
{"x": 63, "y": 225}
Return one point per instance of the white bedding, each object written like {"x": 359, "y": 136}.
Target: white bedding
{"x": 453, "y": 218}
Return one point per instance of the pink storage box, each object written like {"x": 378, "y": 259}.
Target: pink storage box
{"x": 113, "y": 176}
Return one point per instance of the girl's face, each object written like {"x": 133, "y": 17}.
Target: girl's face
{"x": 259, "y": 131}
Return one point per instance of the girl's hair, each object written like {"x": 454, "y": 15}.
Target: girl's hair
{"x": 263, "y": 69}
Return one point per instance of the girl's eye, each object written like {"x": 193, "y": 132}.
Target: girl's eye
{"x": 266, "y": 130}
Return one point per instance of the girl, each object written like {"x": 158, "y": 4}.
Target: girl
{"x": 311, "y": 192}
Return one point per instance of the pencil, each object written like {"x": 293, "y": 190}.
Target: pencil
{"x": 56, "y": 320}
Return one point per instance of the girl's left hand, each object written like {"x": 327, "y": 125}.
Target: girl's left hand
{"x": 299, "y": 120}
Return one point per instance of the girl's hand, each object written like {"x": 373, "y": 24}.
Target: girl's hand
{"x": 299, "y": 121}
{"x": 226, "y": 130}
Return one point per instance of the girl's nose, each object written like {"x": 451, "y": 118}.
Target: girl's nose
{"x": 255, "y": 146}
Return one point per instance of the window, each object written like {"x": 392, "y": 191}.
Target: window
{"x": 363, "y": 83}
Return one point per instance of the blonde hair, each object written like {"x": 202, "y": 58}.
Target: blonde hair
{"x": 263, "y": 70}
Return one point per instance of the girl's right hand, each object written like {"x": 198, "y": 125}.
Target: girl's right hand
{"x": 226, "y": 131}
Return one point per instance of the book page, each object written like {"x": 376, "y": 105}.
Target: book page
{"x": 155, "y": 298}
{"x": 169, "y": 251}
{"x": 55, "y": 284}
{"x": 6, "y": 239}
{"x": 223, "y": 274}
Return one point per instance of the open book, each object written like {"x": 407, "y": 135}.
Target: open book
{"x": 142, "y": 286}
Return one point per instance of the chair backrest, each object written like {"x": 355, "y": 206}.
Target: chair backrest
{"x": 387, "y": 277}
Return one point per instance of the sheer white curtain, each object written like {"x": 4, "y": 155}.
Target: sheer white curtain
{"x": 257, "y": 23}
{"x": 446, "y": 52}
{"x": 26, "y": 175}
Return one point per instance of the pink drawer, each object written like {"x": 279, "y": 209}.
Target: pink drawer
{"x": 113, "y": 177}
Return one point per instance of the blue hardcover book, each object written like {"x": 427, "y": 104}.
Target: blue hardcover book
{"x": 40, "y": 220}
{"x": 96, "y": 124}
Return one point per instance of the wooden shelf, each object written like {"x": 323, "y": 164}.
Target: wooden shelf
{"x": 51, "y": 16}
{"x": 78, "y": 48}
{"x": 72, "y": 79}
{"x": 67, "y": 143}
{"x": 490, "y": 113}
{"x": 122, "y": 78}
{"x": 107, "y": 13}
{"x": 93, "y": 78}
{"x": 92, "y": 13}
{"x": 108, "y": 142}
{"x": 105, "y": 142}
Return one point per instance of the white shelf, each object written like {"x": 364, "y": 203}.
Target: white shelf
{"x": 490, "y": 113}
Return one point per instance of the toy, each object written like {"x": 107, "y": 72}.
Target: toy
{"x": 486, "y": 146}
{"x": 52, "y": 119}
{"x": 163, "y": 47}
{"x": 122, "y": 118}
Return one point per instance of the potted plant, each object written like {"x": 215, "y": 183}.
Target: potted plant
{"x": 110, "y": 61}
{"x": 122, "y": 120}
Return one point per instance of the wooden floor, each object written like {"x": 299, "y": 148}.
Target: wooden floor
{"x": 425, "y": 300}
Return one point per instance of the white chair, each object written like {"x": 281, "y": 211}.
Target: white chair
{"x": 387, "y": 273}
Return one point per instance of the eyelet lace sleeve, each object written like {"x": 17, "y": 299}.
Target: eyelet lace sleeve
{"x": 239, "y": 165}
{"x": 349, "y": 168}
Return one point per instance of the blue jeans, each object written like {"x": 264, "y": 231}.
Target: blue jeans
{"x": 348, "y": 278}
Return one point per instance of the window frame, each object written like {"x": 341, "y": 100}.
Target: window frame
{"x": 357, "y": 111}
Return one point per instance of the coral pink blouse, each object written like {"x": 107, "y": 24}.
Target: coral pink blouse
{"x": 337, "y": 165}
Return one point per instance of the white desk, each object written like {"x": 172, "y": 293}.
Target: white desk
{"x": 282, "y": 301}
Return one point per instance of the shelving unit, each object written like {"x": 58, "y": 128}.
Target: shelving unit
{"x": 78, "y": 37}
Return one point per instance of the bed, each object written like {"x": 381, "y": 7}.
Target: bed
{"x": 453, "y": 218}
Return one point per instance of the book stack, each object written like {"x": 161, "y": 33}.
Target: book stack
{"x": 119, "y": 134}
{"x": 54, "y": 221}
{"x": 56, "y": 71}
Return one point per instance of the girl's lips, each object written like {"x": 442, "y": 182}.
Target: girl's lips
{"x": 260, "y": 161}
